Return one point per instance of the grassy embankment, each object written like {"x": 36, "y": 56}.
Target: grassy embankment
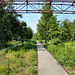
{"x": 64, "y": 54}
{"x": 19, "y": 61}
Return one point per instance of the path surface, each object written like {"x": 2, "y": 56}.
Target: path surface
{"x": 11, "y": 47}
{"x": 47, "y": 65}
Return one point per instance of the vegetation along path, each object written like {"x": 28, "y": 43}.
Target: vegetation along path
{"x": 47, "y": 65}
{"x": 11, "y": 47}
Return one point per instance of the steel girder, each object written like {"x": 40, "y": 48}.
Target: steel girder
{"x": 36, "y": 6}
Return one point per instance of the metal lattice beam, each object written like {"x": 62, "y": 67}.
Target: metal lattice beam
{"x": 36, "y": 6}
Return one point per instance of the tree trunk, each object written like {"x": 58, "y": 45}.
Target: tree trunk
{"x": 46, "y": 40}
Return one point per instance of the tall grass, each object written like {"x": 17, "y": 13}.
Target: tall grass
{"x": 65, "y": 54}
{"x": 19, "y": 61}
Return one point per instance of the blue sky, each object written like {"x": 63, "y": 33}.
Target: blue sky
{"x": 32, "y": 19}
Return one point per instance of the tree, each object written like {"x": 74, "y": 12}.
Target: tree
{"x": 73, "y": 30}
{"x": 23, "y": 30}
{"x": 5, "y": 29}
{"x": 36, "y": 36}
{"x": 53, "y": 28}
{"x": 29, "y": 33}
{"x": 47, "y": 25}
{"x": 66, "y": 27}
{"x": 14, "y": 24}
{"x": 11, "y": 28}
{"x": 41, "y": 30}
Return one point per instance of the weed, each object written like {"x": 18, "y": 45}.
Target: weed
{"x": 20, "y": 60}
{"x": 64, "y": 53}
{"x": 31, "y": 71}
{"x": 3, "y": 52}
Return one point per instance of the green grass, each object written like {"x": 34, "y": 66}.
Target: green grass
{"x": 64, "y": 54}
{"x": 19, "y": 61}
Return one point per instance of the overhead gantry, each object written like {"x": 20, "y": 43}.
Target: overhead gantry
{"x": 36, "y": 6}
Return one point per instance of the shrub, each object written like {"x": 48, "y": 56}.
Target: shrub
{"x": 46, "y": 45}
{"x": 56, "y": 41}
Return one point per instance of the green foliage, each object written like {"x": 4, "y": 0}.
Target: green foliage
{"x": 11, "y": 28}
{"x": 29, "y": 33}
{"x": 56, "y": 41}
{"x": 73, "y": 30}
{"x": 36, "y": 36}
{"x": 25, "y": 32}
{"x": 42, "y": 41}
{"x": 46, "y": 45}
{"x": 19, "y": 61}
{"x": 65, "y": 54}
{"x": 47, "y": 26}
{"x": 31, "y": 71}
{"x": 66, "y": 27}
{"x": 9, "y": 44}
{"x": 3, "y": 52}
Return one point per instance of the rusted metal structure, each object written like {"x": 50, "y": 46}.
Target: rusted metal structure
{"x": 36, "y": 6}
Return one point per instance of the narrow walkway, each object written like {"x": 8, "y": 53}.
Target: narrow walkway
{"x": 47, "y": 65}
{"x": 11, "y": 47}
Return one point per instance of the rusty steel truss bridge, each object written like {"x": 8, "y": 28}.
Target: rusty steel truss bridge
{"x": 36, "y": 6}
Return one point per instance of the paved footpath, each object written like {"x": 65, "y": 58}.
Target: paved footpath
{"x": 47, "y": 65}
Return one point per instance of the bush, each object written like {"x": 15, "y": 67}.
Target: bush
{"x": 28, "y": 45}
{"x": 46, "y": 45}
{"x": 9, "y": 44}
{"x": 56, "y": 41}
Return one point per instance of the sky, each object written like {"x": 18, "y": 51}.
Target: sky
{"x": 32, "y": 19}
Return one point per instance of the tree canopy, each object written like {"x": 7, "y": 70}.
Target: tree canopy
{"x": 48, "y": 28}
